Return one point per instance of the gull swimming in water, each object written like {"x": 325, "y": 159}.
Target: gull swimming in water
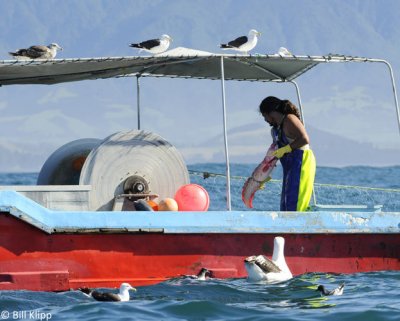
{"x": 338, "y": 291}
{"x": 37, "y": 52}
{"x": 203, "y": 275}
{"x": 154, "y": 46}
{"x": 260, "y": 268}
{"x": 122, "y": 296}
{"x": 243, "y": 44}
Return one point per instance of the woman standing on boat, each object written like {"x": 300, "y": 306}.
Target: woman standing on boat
{"x": 294, "y": 152}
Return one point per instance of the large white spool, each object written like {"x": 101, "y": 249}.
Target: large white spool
{"x": 63, "y": 167}
{"x": 132, "y": 153}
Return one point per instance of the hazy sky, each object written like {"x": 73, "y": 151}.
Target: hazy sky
{"x": 351, "y": 102}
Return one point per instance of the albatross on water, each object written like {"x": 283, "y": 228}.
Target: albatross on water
{"x": 260, "y": 268}
{"x": 243, "y": 44}
{"x": 154, "y": 46}
{"x": 37, "y": 52}
{"x": 123, "y": 294}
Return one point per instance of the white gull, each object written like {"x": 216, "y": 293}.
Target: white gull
{"x": 154, "y": 46}
{"x": 243, "y": 44}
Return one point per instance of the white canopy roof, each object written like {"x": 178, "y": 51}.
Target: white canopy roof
{"x": 179, "y": 62}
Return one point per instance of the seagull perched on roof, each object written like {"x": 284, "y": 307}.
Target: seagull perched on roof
{"x": 243, "y": 44}
{"x": 123, "y": 294}
{"x": 284, "y": 52}
{"x": 260, "y": 268}
{"x": 154, "y": 46}
{"x": 337, "y": 291}
{"x": 37, "y": 52}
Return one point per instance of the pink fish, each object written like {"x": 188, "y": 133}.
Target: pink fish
{"x": 260, "y": 174}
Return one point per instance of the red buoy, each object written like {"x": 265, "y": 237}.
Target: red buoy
{"x": 192, "y": 197}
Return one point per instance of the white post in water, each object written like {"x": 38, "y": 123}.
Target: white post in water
{"x": 228, "y": 175}
{"x": 138, "y": 100}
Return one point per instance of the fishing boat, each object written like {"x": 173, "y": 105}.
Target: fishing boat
{"x": 76, "y": 227}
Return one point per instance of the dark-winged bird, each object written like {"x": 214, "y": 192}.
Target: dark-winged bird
{"x": 154, "y": 46}
{"x": 123, "y": 294}
{"x": 337, "y": 291}
{"x": 243, "y": 44}
{"x": 260, "y": 268}
{"x": 37, "y": 52}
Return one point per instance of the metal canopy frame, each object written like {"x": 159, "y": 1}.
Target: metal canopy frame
{"x": 180, "y": 63}
{"x": 224, "y": 125}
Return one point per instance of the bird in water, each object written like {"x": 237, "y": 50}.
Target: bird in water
{"x": 203, "y": 275}
{"x": 154, "y": 46}
{"x": 243, "y": 44}
{"x": 260, "y": 268}
{"x": 338, "y": 291}
{"x": 37, "y": 52}
{"x": 122, "y": 296}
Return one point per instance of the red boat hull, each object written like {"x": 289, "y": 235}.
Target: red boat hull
{"x": 33, "y": 260}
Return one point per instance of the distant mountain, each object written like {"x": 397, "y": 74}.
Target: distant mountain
{"x": 250, "y": 142}
{"x": 46, "y": 117}
{"x": 15, "y": 159}
{"x": 247, "y": 144}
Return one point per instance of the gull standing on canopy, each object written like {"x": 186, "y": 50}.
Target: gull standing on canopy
{"x": 154, "y": 46}
{"x": 243, "y": 44}
{"x": 284, "y": 52}
{"x": 37, "y": 52}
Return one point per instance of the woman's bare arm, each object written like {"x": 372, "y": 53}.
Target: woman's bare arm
{"x": 294, "y": 128}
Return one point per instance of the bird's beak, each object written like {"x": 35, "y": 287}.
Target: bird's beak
{"x": 259, "y": 33}
{"x": 133, "y": 289}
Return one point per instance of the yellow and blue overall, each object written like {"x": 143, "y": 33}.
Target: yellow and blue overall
{"x": 298, "y": 174}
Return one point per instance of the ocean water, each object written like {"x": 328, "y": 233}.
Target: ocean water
{"x": 356, "y": 185}
{"x": 367, "y": 296}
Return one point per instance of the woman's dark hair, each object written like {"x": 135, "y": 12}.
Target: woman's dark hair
{"x": 285, "y": 107}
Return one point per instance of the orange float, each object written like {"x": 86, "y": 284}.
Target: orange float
{"x": 168, "y": 204}
{"x": 153, "y": 205}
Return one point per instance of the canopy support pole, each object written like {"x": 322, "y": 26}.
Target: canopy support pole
{"x": 299, "y": 100}
{"x": 138, "y": 100}
{"x": 396, "y": 103}
{"x": 304, "y": 123}
{"x": 228, "y": 176}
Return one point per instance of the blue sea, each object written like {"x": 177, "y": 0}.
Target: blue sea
{"x": 367, "y": 296}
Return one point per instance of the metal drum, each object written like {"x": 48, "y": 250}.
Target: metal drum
{"x": 64, "y": 166}
{"x": 134, "y": 161}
